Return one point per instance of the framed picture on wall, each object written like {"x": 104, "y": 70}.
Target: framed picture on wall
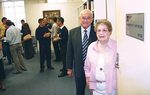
{"x": 51, "y": 13}
{"x": 135, "y": 25}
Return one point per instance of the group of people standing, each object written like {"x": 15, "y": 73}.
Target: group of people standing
{"x": 52, "y": 30}
{"x": 87, "y": 52}
{"x": 11, "y": 46}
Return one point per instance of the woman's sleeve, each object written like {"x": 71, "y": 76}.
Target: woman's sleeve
{"x": 87, "y": 66}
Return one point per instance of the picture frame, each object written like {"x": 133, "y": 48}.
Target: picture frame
{"x": 51, "y": 13}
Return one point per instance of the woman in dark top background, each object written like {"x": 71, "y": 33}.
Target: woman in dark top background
{"x": 27, "y": 44}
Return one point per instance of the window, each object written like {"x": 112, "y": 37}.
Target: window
{"x": 14, "y": 11}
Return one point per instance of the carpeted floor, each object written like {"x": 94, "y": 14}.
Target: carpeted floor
{"x": 32, "y": 82}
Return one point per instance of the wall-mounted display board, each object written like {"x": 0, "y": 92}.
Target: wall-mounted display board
{"x": 135, "y": 25}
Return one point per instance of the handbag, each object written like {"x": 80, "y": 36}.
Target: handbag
{"x": 27, "y": 37}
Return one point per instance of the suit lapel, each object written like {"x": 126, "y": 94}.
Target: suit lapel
{"x": 79, "y": 38}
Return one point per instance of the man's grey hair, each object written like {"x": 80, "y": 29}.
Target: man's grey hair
{"x": 86, "y": 11}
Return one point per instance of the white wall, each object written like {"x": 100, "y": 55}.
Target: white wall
{"x": 134, "y": 77}
{"x": 101, "y": 12}
{"x": 99, "y": 9}
{"x": 111, "y": 16}
{"x": 0, "y": 10}
{"x": 34, "y": 11}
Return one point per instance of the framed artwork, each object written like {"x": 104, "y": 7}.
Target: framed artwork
{"x": 51, "y": 13}
{"x": 135, "y": 25}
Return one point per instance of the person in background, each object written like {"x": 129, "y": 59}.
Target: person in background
{"x": 47, "y": 23}
{"x": 43, "y": 35}
{"x": 2, "y": 71}
{"x": 22, "y": 21}
{"x": 2, "y": 31}
{"x": 55, "y": 35}
{"x": 49, "y": 26}
{"x": 76, "y": 45}
{"x": 63, "y": 34}
{"x": 13, "y": 37}
{"x": 100, "y": 62}
{"x": 5, "y": 44}
{"x": 27, "y": 44}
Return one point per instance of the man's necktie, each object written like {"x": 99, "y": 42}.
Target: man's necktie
{"x": 84, "y": 45}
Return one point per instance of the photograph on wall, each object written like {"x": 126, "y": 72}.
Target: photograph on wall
{"x": 51, "y": 13}
{"x": 135, "y": 25}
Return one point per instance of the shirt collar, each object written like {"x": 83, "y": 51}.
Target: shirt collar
{"x": 88, "y": 30}
{"x": 108, "y": 44}
{"x": 61, "y": 26}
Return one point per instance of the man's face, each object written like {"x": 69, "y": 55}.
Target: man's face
{"x": 45, "y": 20}
{"x": 22, "y": 22}
{"x": 58, "y": 23}
{"x": 42, "y": 23}
{"x": 4, "y": 21}
{"x": 86, "y": 20}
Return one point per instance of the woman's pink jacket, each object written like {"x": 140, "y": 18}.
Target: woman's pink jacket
{"x": 109, "y": 54}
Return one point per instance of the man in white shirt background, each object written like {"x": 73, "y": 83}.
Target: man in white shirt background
{"x": 13, "y": 37}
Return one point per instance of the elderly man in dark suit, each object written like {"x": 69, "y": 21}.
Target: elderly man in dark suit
{"x": 76, "y": 51}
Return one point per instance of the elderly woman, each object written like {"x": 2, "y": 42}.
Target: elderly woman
{"x": 99, "y": 65}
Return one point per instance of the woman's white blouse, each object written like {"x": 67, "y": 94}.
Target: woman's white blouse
{"x": 99, "y": 74}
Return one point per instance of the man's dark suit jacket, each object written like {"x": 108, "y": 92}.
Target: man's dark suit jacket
{"x": 74, "y": 50}
{"x": 64, "y": 36}
{"x": 40, "y": 31}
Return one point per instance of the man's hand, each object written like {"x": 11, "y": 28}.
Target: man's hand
{"x": 47, "y": 35}
{"x": 70, "y": 72}
{"x": 87, "y": 81}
